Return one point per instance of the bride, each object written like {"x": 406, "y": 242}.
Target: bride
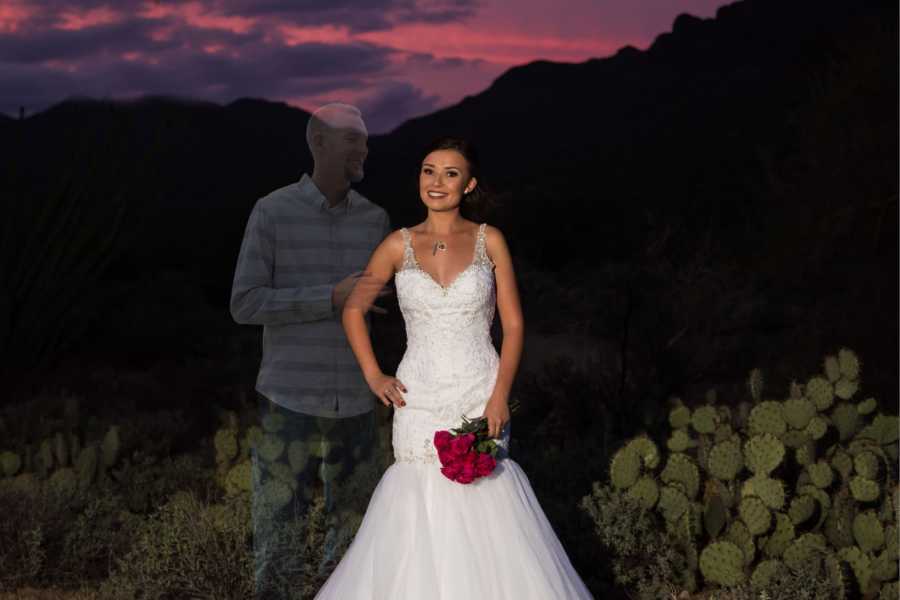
{"x": 425, "y": 536}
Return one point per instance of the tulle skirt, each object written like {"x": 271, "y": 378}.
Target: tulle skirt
{"x": 424, "y": 536}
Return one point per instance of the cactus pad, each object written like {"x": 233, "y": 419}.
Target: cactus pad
{"x": 111, "y": 446}
{"x": 820, "y": 474}
{"x": 87, "y": 467}
{"x": 884, "y": 429}
{"x": 802, "y": 508}
{"x": 680, "y": 441}
{"x": 283, "y": 473}
{"x": 63, "y": 483}
{"x": 226, "y": 445}
{"x": 725, "y": 460}
{"x": 892, "y": 542}
{"x": 61, "y": 449}
{"x": 802, "y": 550}
{"x": 273, "y": 422}
{"x": 867, "y": 406}
{"x": 832, "y": 368}
{"x": 238, "y": 478}
{"x": 849, "y": 363}
{"x": 705, "y": 419}
{"x": 860, "y": 563}
{"x": 817, "y": 427}
{"x": 770, "y": 491}
{"x": 822, "y": 499}
{"x": 329, "y": 471}
{"x": 298, "y": 456}
{"x": 715, "y": 514}
{"x": 868, "y": 531}
{"x": 845, "y": 389}
{"x": 866, "y": 464}
{"x": 646, "y": 449}
{"x": 883, "y": 567}
{"x": 763, "y": 453}
{"x": 846, "y": 418}
{"x": 680, "y": 417}
{"x": 9, "y": 463}
{"x": 755, "y": 515}
{"x": 798, "y": 411}
{"x": 763, "y": 573}
{"x": 820, "y": 391}
{"x": 794, "y": 438}
{"x": 782, "y": 536}
{"x": 682, "y": 469}
{"x": 722, "y": 563}
{"x": 672, "y": 503}
{"x": 805, "y": 454}
{"x": 842, "y": 463}
{"x": 740, "y": 536}
{"x": 625, "y": 468}
{"x": 863, "y": 489}
{"x": 767, "y": 417}
{"x": 270, "y": 447}
{"x": 839, "y": 522}
{"x": 646, "y": 491}
{"x": 276, "y": 494}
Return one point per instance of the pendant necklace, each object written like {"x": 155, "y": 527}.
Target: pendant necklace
{"x": 438, "y": 245}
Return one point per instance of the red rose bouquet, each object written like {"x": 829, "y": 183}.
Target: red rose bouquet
{"x": 468, "y": 452}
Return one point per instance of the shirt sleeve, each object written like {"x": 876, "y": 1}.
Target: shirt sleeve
{"x": 386, "y": 226}
{"x": 254, "y": 301}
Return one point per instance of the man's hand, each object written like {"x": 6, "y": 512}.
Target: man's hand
{"x": 362, "y": 278}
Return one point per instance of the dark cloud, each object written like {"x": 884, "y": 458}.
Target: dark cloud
{"x": 42, "y": 64}
{"x": 263, "y": 71}
{"x": 356, "y": 15}
{"x": 71, "y": 45}
{"x": 393, "y": 103}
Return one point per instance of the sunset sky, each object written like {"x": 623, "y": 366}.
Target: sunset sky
{"x": 395, "y": 59}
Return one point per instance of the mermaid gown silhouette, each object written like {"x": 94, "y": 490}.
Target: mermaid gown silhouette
{"x": 423, "y": 536}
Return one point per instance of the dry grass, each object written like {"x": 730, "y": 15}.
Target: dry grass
{"x": 48, "y": 594}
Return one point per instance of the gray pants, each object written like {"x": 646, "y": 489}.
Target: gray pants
{"x": 303, "y": 458}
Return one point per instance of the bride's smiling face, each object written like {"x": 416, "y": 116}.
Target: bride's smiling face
{"x": 443, "y": 180}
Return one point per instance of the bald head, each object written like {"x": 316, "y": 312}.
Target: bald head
{"x": 337, "y": 135}
{"x": 331, "y": 118}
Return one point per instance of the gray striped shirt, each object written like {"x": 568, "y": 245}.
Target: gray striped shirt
{"x": 295, "y": 249}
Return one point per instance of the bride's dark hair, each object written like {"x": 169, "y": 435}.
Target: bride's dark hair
{"x": 479, "y": 202}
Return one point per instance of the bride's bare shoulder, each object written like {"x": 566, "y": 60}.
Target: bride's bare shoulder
{"x": 494, "y": 238}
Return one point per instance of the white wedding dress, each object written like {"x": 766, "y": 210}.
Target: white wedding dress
{"x": 423, "y": 536}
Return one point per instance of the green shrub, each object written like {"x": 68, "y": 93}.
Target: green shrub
{"x": 188, "y": 549}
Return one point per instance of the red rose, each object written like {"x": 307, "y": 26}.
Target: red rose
{"x": 446, "y": 456}
{"x": 452, "y": 470}
{"x": 485, "y": 464}
{"x": 461, "y": 444}
{"x": 442, "y": 439}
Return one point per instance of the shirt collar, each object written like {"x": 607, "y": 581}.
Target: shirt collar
{"x": 312, "y": 195}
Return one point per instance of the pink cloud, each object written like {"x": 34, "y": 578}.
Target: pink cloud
{"x": 507, "y": 48}
{"x": 328, "y": 34}
{"x": 13, "y": 14}
{"x": 198, "y": 15}
{"x": 81, "y": 19}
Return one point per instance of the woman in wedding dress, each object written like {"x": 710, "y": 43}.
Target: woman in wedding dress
{"x": 425, "y": 536}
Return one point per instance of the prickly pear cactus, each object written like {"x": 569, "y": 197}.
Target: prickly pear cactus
{"x": 811, "y": 477}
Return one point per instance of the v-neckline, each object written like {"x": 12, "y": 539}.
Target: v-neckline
{"x": 412, "y": 251}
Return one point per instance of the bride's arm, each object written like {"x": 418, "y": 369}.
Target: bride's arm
{"x": 510, "y": 315}
{"x": 376, "y": 275}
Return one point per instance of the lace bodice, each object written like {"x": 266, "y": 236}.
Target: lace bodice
{"x": 450, "y": 365}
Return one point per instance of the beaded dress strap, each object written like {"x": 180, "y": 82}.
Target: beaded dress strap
{"x": 409, "y": 258}
{"x": 481, "y": 256}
